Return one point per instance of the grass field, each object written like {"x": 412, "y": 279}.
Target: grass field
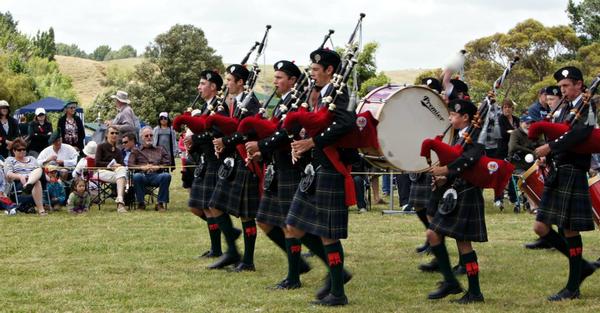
{"x": 143, "y": 261}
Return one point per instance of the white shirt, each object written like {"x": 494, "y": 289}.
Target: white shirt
{"x": 66, "y": 153}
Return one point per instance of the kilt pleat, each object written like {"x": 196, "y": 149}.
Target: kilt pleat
{"x": 323, "y": 213}
{"x": 420, "y": 192}
{"x": 566, "y": 201}
{"x": 203, "y": 186}
{"x": 274, "y": 205}
{"x": 238, "y": 196}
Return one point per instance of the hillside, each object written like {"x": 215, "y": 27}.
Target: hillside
{"x": 87, "y": 75}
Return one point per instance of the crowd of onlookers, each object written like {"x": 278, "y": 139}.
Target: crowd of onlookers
{"x": 46, "y": 168}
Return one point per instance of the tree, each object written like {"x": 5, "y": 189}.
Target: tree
{"x": 11, "y": 40}
{"x": 170, "y": 73}
{"x": 585, "y": 18}
{"x": 46, "y": 47}
{"x": 125, "y": 52}
{"x": 100, "y": 53}
{"x": 70, "y": 50}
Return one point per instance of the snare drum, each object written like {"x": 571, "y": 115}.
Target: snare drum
{"x": 532, "y": 184}
{"x": 406, "y": 116}
{"x": 594, "y": 184}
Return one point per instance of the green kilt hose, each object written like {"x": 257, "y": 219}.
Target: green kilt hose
{"x": 238, "y": 195}
{"x": 467, "y": 221}
{"x": 323, "y": 213}
{"x": 420, "y": 191}
{"x": 203, "y": 186}
{"x": 275, "y": 204}
{"x": 566, "y": 201}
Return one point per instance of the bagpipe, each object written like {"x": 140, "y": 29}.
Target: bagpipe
{"x": 487, "y": 172}
{"x": 553, "y": 131}
{"x": 317, "y": 121}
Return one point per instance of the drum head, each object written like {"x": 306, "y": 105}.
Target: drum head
{"x": 409, "y": 116}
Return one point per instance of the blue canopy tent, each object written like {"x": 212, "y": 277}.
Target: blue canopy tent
{"x": 49, "y": 104}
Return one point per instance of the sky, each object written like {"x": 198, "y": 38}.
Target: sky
{"x": 411, "y": 34}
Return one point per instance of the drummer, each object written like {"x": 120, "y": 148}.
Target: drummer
{"x": 566, "y": 200}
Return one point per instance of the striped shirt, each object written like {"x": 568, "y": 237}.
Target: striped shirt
{"x": 12, "y": 165}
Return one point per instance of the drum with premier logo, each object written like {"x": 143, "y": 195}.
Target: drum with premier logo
{"x": 406, "y": 116}
{"x": 532, "y": 184}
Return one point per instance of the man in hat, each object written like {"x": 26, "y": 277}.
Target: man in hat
{"x": 125, "y": 121}
{"x": 150, "y": 164}
{"x": 566, "y": 200}
{"x": 60, "y": 154}
{"x": 321, "y": 210}
{"x": 539, "y": 109}
{"x": 462, "y": 219}
{"x": 201, "y": 152}
{"x": 281, "y": 178}
{"x": 236, "y": 192}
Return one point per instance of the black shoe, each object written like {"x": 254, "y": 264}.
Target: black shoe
{"x": 331, "y": 300}
{"x": 324, "y": 291}
{"x": 287, "y": 285}
{"x": 238, "y": 233}
{"x": 304, "y": 267}
{"x": 225, "y": 260}
{"x": 243, "y": 267}
{"x": 469, "y": 298}
{"x": 445, "y": 290}
{"x": 27, "y": 189}
{"x": 517, "y": 209}
{"x": 432, "y": 266}
{"x": 565, "y": 294}
{"x": 538, "y": 244}
{"x": 587, "y": 270}
{"x": 459, "y": 270}
{"x": 210, "y": 254}
{"x": 423, "y": 248}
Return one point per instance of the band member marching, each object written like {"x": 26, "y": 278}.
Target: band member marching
{"x": 236, "y": 192}
{"x": 320, "y": 209}
{"x": 566, "y": 200}
{"x": 281, "y": 179}
{"x": 463, "y": 220}
{"x": 205, "y": 173}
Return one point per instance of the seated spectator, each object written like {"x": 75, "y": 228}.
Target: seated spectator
{"x": 90, "y": 152}
{"x": 151, "y": 167}
{"x": 110, "y": 158}
{"x": 40, "y": 130}
{"x": 79, "y": 199}
{"x": 128, "y": 143}
{"x": 59, "y": 154}
{"x": 26, "y": 172}
{"x": 5, "y": 203}
{"x": 56, "y": 189}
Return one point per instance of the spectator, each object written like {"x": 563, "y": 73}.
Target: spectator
{"x": 6, "y": 204}
{"x": 90, "y": 152}
{"x": 150, "y": 163}
{"x": 40, "y": 130}
{"x": 360, "y": 181}
{"x": 110, "y": 157}
{"x": 56, "y": 189}
{"x": 71, "y": 126}
{"x": 23, "y": 127}
{"x": 9, "y": 130}
{"x": 26, "y": 172}
{"x": 508, "y": 123}
{"x": 539, "y": 109}
{"x": 60, "y": 154}
{"x": 128, "y": 143}
{"x": 490, "y": 131}
{"x": 125, "y": 121}
{"x": 79, "y": 199}
{"x": 164, "y": 136}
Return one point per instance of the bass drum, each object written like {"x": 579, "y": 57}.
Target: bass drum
{"x": 406, "y": 116}
{"x": 532, "y": 184}
{"x": 594, "y": 184}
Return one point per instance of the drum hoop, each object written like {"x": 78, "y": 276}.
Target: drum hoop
{"x": 593, "y": 180}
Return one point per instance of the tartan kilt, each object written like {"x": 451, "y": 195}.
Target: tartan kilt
{"x": 239, "y": 196}
{"x": 420, "y": 192}
{"x": 274, "y": 205}
{"x": 323, "y": 213}
{"x": 566, "y": 202}
{"x": 467, "y": 221}
{"x": 203, "y": 186}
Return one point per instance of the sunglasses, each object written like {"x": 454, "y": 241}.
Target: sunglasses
{"x": 114, "y": 133}
{"x": 148, "y": 135}
{"x": 162, "y": 118}
{"x": 124, "y": 142}
{"x": 20, "y": 149}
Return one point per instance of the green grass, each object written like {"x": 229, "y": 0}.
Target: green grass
{"x": 143, "y": 261}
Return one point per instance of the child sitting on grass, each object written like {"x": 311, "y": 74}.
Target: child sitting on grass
{"x": 79, "y": 199}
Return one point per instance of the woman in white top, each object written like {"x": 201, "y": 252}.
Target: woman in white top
{"x": 25, "y": 170}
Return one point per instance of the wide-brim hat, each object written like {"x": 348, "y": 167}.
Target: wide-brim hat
{"x": 121, "y": 96}
{"x": 54, "y": 137}
{"x": 90, "y": 148}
